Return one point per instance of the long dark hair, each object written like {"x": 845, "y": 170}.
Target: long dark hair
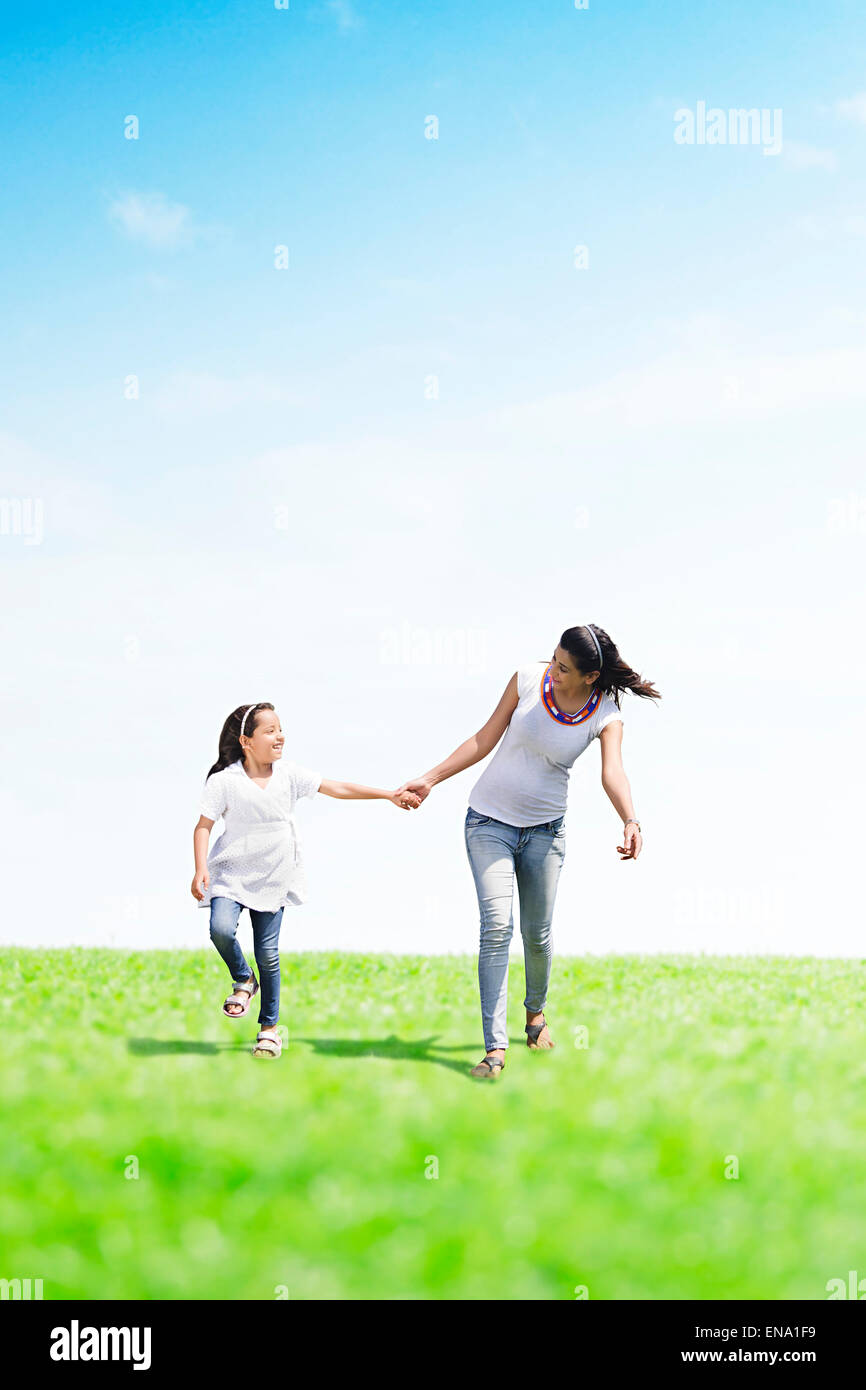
{"x": 615, "y": 674}
{"x": 230, "y": 739}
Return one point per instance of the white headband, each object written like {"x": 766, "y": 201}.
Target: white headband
{"x": 244, "y": 720}
{"x": 597, "y": 646}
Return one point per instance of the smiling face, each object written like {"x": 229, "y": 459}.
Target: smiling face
{"x": 569, "y": 684}
{"x": 265, "y": 744}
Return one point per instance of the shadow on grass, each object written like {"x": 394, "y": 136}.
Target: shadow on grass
{"x": 392, "y": 1049}
{"x": 160, "y": 1047}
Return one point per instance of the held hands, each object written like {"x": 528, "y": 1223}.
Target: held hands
{"x": 405, "y": 799}
{"x": 633, "y": 843}
{"x": 414, "y": 791}
{"x": 200, "y": 884}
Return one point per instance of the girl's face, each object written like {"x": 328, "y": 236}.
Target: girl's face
{"x": 567, "y": 681}
{"x": 265, "y": 744}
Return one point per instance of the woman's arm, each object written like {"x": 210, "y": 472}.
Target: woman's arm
{"x": 473, "y": 750}
{"x": 616, "y": 784}
{"x": 353, "y": 791}
{"x": 200, "y": 837}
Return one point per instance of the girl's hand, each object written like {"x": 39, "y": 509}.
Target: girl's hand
{"x": 418, "y": 787}
{"x": 406, "y": 800}
{"x": 633, "y": 843}
{"x": 200, "y": 884}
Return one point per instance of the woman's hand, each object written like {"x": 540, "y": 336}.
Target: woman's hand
{"x": 633, "y": 843}
{"x": 405, "y": 799}
{"x": 200, "y": 884}
{"x": 418, "y": 787}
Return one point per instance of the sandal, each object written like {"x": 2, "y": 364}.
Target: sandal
{"x": 532, "y": 1031}
{"x": 241, "y": 989}
{"x": 268, "y": 1044}
{"x": 493, "y": 1066}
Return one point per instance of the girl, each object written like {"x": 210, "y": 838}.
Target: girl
{"x": 256, "y": 861}
{"x": 550, "y": 713}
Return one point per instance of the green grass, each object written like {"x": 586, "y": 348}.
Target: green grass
{"x": 601, "y": 1165}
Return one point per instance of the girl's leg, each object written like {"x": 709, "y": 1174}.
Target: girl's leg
{"x": 266, "y": 937}
{"x": 224, "y": 915}
{"x": 490, "y": 847}
{"x": 539, "y": 862}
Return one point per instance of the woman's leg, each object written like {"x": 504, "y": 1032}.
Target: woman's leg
{"x": 490, "y": 847}
{"x": 224, "y": 915}
{"x": 538, "y": 864}
{"x": 266, "y": 937}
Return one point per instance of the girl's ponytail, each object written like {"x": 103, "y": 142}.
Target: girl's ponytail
{"x": 230, "y": 750}
{"x": 615, "y": 674}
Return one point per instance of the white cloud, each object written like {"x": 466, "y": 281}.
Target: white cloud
{"x": 404, "y": 285}
{"x": 852, "y": 108}
{"x": 205, "y": 392}
{"x": 72, "y": 505}
{"x": 823, "y": 228}
{"x": 162, "y": 283}
{"x": 800, "y": 156}
{"x": 150, "y": 218}
{"x": 345, "y": 14}
{"x": 836, "y": 316}
{"x": 682, "y": 389}
{"x": 698, "y": 331}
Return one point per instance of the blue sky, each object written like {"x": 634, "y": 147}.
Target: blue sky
{"x": 305, "y": 127}
{"x": 284, "y": 492}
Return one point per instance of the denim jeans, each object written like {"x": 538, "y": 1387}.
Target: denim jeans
{"x": 224, "y": 914}
{"x": 497, "y": 853}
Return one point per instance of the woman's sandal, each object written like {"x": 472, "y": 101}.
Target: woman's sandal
{"x": 532, "y": 1031}
{"x": 268, "y": 1045}
{"x": 493, "y": 1065}
{"x": 241, "y": 989}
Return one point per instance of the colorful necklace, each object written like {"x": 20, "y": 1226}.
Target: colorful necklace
{"x": 587, "y": 712}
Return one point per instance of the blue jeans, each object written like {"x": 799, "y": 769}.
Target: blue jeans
{"x": 497, "y": 853}
{"x": 224, "y": 914}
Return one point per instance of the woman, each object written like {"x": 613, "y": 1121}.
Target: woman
{"x": 550, "y": 712}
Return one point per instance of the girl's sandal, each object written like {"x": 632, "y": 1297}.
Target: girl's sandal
{"x": 488, "y": 1068}
{"x": 532, "y": 1031}
{"x": 241, "y": 990}
{"x": 268, "y": 1045}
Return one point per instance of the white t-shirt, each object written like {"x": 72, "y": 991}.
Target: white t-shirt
{"x": 257, "y": 858}
{"x": 526, "y": 780}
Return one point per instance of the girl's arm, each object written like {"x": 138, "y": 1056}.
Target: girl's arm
{"x": 616, "y": 784}
{"x": 200, "y": 837}
{"x": 354, "y": 791}
{"x": 473, "y": 750}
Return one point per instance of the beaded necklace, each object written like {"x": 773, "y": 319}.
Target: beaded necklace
{"x": 550, "y": 705}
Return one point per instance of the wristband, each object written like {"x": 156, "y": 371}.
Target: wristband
{"x": 631, "y": 821}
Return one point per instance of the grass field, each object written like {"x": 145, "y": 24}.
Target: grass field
{"x": 601, "y": 1165}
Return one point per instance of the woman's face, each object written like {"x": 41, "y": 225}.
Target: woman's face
{"x": 565, "y": 677}
{"x": 265, "y": 744}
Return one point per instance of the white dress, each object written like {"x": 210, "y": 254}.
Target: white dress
{"x": 256, "y": 860}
